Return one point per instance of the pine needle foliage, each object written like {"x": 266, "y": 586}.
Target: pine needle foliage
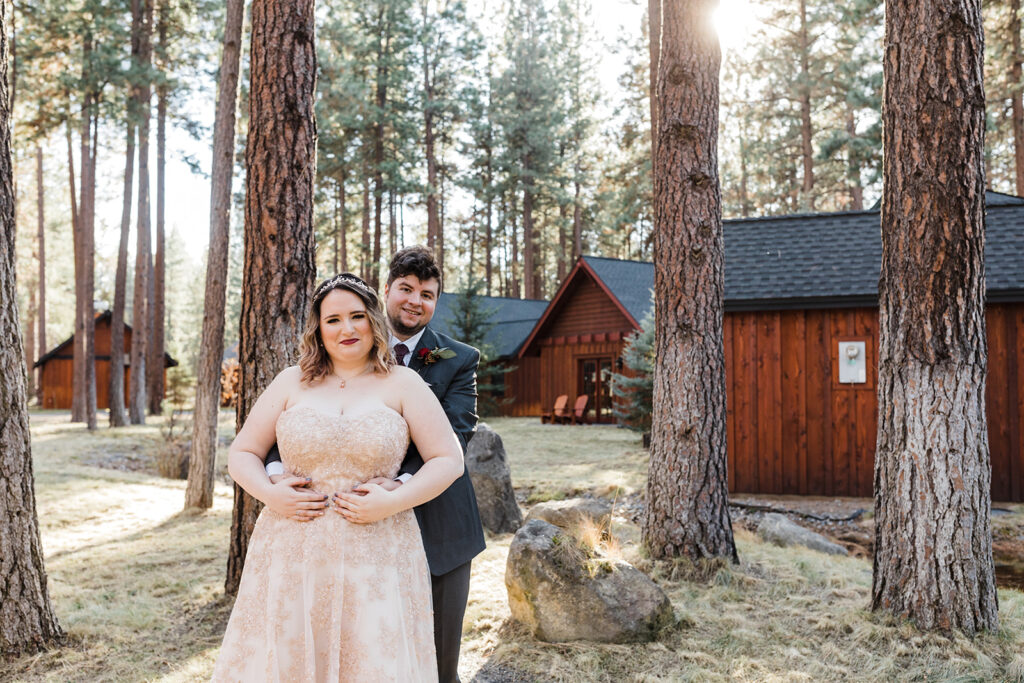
{"x": 634, "y": 392}
{"x": 472, "y": 323}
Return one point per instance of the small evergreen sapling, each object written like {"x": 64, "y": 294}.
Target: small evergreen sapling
{"x": 471, "y": 323}
{"x": 634, "y": 392}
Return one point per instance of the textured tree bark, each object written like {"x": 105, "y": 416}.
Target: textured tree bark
{"x": 77, "y": 405}
{"x": 1016, "y": 96}
{"x": 199, "y": 492}
{"x": 381, "y": 98}
{"x": 143, "y": 22}
{"x": 85, "y": 331}
{"x": 488, "y": 184}
{"x": 853, "y": 165}
{"x": 433, "y": 221}
{"x": 343, "y": 223}
{"x": 27, "y": 620}
{"x": 279, "y": 265}
{"x": 529, "y": 239}
{"x": 115, "y": 390}
{"x": 654, "y": 44}
{"x": 933, "y": 543}
{"x": 364, "y": 261}
{"x": 41, "y": 243}
{"x": 806, "y": 129}
{"x": 155, "y": 362}
{"x": 687, "y": 495}
{"x": 30, "y": 342}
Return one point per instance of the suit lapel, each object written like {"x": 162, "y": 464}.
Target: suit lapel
{"x": 427, "y": 341}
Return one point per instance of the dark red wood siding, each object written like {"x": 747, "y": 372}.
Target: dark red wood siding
{"x": 792, "y": 427}
{"x": 57, "y": 371}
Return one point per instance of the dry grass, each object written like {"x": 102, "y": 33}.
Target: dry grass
{"x": 552, "y": 462}
{"x": 138, "y": 584}
{"x": 135, "y": 581}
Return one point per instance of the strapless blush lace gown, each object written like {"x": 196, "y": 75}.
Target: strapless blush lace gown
{"x": 328, "y": 600}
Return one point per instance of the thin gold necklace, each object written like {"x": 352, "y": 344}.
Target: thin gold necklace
{"x": 342, "y": 380}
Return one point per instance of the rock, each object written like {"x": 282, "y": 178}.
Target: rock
{"x": 560, "y": 594}
{"x": 570, "y": 513}
{"x": 778, "y": 529}
{"x": 492, "y": 481}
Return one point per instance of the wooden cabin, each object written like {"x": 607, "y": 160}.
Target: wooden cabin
{"x": 801, "y": 296}
{"x": 56, "y": 375}
{"x": 509, "y": 322}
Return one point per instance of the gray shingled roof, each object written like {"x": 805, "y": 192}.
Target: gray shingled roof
{"x": 512, "y": 321}
{"x": 819, "y": 260}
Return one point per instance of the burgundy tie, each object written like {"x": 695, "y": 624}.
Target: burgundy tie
{"x": 401, "y": 351}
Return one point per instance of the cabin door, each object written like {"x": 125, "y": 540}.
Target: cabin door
{"x": 595, "y": 376}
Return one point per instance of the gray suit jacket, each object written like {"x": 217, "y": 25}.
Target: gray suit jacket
{"x": 450, "y": 523}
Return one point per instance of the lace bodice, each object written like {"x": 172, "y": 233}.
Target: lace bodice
{"x": 342, "y": 450}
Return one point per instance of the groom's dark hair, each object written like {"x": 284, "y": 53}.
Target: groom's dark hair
{"x": 416, "y": 260}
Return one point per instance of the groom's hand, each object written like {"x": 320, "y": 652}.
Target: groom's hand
{"x": 385, "y": 483}
{"x": 364, "y": 504}
{"x": 290, "y": 497}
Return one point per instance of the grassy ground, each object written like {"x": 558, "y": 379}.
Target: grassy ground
{"x": 137, "y": 583}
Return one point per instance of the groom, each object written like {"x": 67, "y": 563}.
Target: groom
{"x": 450, "y": 524}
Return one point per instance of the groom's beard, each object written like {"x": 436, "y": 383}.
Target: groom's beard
{"x": 403, "y": 329}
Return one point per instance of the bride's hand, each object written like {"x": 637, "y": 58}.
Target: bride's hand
{"x": 365, "y": 504}
{"x": 289, "y": 499}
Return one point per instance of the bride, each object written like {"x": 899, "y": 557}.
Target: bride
{"x": 322, "y": 598}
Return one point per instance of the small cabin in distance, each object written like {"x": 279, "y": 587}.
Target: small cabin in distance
{"x": 57, "y": 373}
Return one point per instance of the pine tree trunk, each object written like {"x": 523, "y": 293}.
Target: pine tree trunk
{"x": 529, "y": 243}
{"x": 1016, "y": 96}
{"x": 514, "y": 278}
{"x": 439, "y": 248}
{"x": 77, "y": 362}
{"x": 27, "y": 620}
{"x": 433, "y": 221}
{"x": 381, "y": 98}
{"x": 806, "y": 131}
{"x": 563, "y": 241}
{"x": 364, "y": 250}
{"x": 392, "y": 223}
{"x": 41, "y": 241}
{"x": 577, "y": 219}
{"x": 654, "y": 43}
{"x": 143, "y": 23}
{"x": 115, "y": 389}
{"x": 933, "y": 541}
{"x": 687, "y": 495}
{"x": 853, "y": 165}
{"x": 337, "y": 229}
{"x": 343, "y": 222}
{"x": 155, "y": 362}
{"x": 203, "y": 457}
{"x": 90, "y": 275}
{"x": 30, "y": 342}
{"x": 489, "y": 234}
{"x": 280, "y": 157}
{"x": 84, "y": 390}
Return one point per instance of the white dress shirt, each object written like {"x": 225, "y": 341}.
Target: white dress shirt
{"x": 411, "y": 342}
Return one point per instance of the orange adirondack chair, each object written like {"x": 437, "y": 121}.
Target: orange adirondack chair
{"x": 579, "y": 411}
{"x": 558, "y": 412}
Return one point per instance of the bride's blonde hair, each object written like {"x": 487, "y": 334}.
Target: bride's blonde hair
{"x": 314, "y": 361}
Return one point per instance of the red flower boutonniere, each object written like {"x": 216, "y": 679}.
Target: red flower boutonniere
{"x": 431, "y": 356}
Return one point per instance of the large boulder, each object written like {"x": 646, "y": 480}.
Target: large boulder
{"x": 562, "y": 593}
{"x": 778, "y": 529}
{"x": 571, "y": 513}
{"x": 492, "y": 481}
